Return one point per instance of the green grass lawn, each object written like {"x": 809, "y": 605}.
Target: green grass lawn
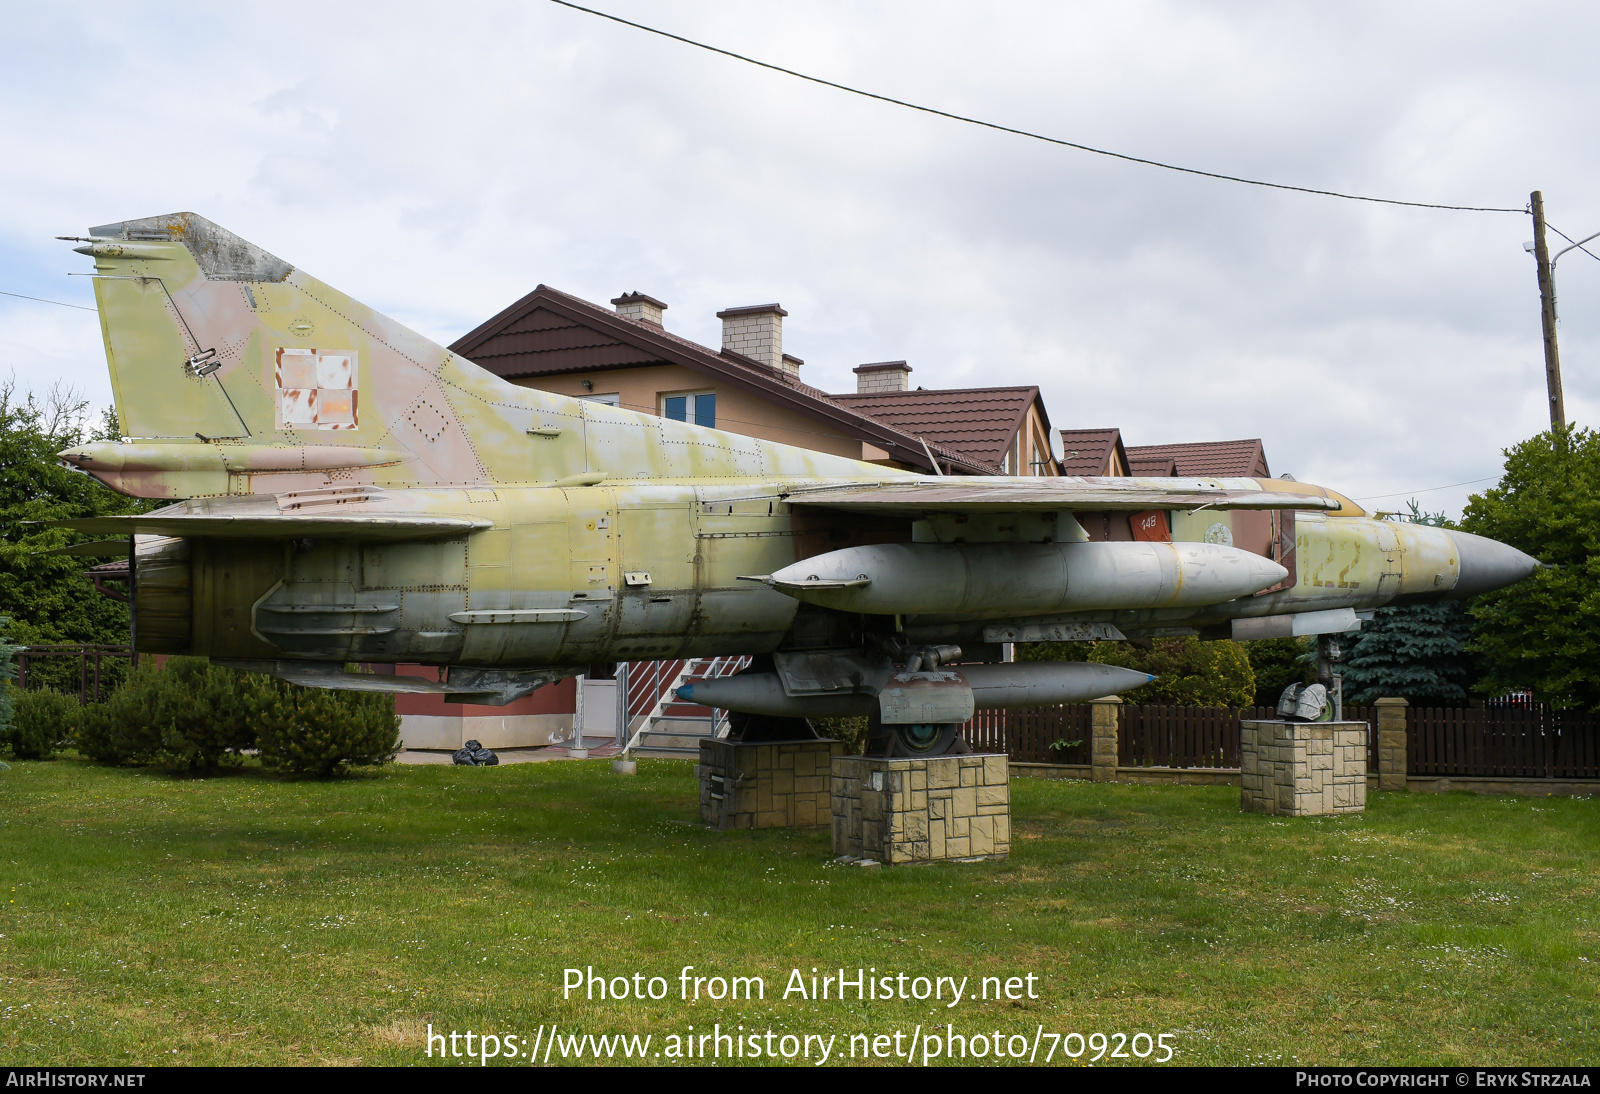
{"x": 246, "y": 919}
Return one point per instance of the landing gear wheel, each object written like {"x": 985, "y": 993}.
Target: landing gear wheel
{"x": 918, "y": 740}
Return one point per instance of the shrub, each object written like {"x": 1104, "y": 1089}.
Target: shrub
{"x": 1279, "y": 662}
{"x": 851, "y": 730}
{"x": 42, "y": 722}
{"x": 186, "y": 714}
{"x": 197, "y": 711}
{"x": 119, "y": 729}
{"x": 312, "y": 731}
{"x": 8, "y": 673}
{"x": 101, "y": 732}
{"x": 1190, "y": 672}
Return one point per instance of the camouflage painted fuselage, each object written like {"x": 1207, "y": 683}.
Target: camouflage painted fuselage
{"x": 359, "y": 493}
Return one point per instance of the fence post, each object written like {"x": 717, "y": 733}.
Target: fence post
{"x": 1103, "y": 732}
{"x": 1392, "y": 743}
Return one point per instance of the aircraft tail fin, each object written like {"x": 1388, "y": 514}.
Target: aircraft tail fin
{"x": 213, "y": 341}
{"x": 235, "y": 372}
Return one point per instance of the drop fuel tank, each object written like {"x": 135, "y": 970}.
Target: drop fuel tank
{"x": 1025, "y": 578}
{"x": 1004, "y": 686}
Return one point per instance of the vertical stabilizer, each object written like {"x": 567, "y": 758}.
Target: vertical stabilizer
{"x": 235, "y": 372}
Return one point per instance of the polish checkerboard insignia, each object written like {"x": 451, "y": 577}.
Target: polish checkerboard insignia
{"x": 316, "y": 389}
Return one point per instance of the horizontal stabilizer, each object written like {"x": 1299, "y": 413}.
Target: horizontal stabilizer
{"x": 967, "y": 495}
{"x": 332, "y": 675}
{"x": 275, "y": 526}
{"x": 486, "y": 687}
{"x": 106, "y": 548}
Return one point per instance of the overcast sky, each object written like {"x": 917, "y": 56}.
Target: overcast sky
{"x": 439, "y": 161}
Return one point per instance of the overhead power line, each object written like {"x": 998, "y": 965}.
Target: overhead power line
{"x": 42, "y": 300}
{"x": 1027, "y": 133}
{"x": 1429, "y": 490}
{"x": 1572, "y": 241}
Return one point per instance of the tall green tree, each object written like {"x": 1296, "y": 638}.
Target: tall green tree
{"x": 1543, "y": 634}
{"x": 46, "y": 596}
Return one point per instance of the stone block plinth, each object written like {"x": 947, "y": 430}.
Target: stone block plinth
{"x": 765, "y": 784}
{"x": 932, "y": 810}
{"x": 1103, "y": 725}
{"x": 1303, "y": 769}
{"x": 1392, "y": 744}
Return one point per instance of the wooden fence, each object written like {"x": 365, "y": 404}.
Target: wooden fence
{"x": 1158, "y": 736}
{"x": 1147, "y": 735}
{"x": 1041, "y": 735}
{"x": 1510, "y": 741}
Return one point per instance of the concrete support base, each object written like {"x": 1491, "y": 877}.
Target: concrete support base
{"x": 1103, "y": 739}
{"x": 1303, "y": 769}
{"x": 1392, "y": 744}
{"x": 933, "y": 810}
{"x": 767, "y": 784}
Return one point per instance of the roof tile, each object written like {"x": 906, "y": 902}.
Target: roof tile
{"x": 977, "y": 422}
{"x": 1221, "y": 459}
{"x": 1089, "y": 451}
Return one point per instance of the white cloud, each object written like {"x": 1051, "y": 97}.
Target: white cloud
{"x": 439, "y": 164}
{"x": 41, "y": 346}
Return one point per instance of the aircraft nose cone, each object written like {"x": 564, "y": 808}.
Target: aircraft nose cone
{"x": 1488, "y": 564}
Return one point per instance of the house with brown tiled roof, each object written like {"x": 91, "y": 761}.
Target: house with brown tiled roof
{"x": 1094, "y": 452}
{"x": 1157, "y": 467}
{"x": 626, "y": 357}
{"x": 1244, "y": 459}
{"x": 1004, "y": 428}
{"x": 1101, "y": 452}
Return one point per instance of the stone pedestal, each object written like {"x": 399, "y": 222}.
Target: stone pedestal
{"x": 1392, "y": 744}
{"x": 766, "y": 784}
{"x": 1103, "y": 739}
{"x": 1303, "y": 769}
{"x": 941, "y": 808}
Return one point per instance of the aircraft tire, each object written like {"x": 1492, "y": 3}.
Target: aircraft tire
{"x": 916, "y": 742}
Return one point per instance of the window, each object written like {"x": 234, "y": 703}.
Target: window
{"x": 699, "y": 408}
{"x": 610, "y": 398}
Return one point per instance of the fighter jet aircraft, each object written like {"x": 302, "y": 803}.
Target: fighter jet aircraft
{"x": 346, "y": 490}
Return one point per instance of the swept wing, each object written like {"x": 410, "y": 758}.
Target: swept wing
{"x": 948, "y": 495}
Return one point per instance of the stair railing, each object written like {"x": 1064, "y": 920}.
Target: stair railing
{"x": 665, "y": 677}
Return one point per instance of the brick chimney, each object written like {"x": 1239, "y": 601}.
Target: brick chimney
{"x": 757, "y": 332}
{"x": 882, "y": 376}
{"x": 636, "y": 305}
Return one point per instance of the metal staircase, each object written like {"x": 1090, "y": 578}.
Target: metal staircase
{"x": 659, "y": 724}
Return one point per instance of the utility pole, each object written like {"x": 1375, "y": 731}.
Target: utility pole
{"x": 1547, "y": 315}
